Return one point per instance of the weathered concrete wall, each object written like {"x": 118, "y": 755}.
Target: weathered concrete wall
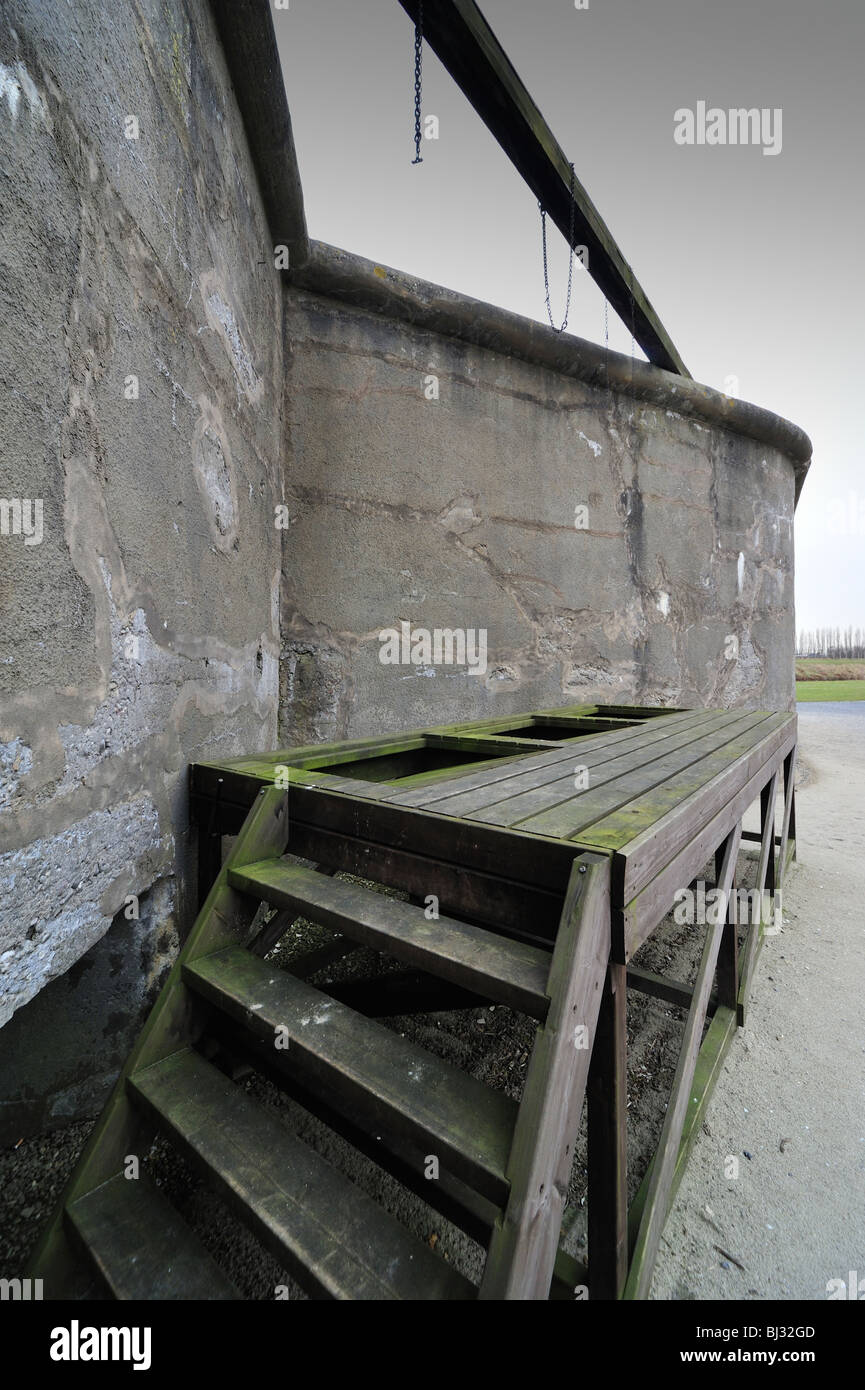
{"x": 459, "y": 512}
{"x": 141, "y": 632}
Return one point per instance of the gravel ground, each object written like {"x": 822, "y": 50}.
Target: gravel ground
{"x": 493, "y": 1043}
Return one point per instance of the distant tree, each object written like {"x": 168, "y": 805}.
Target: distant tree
{"x": 831, "y": 643}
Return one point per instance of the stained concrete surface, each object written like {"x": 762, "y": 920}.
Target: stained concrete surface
{"x": 141, "y": 378}
{"x": 436, "y": 481}
{"x": 794, "y": 1219}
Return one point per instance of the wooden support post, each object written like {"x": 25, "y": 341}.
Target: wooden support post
{"x": 765, "y": 884}
{"x": 727, "y": 972}
{"x": 209, "y": 847}
{"x": 767, "y": 862}
{"x": 608, "y": 1115}
{"x": 788, "y": 825}
{"x": 660, "y": 1182}
{"x": 523, "y": 1248}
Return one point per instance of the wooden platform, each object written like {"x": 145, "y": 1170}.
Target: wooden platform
{"x": 538, "y": 853}
{"x": 657, "y": 790}
{"x": 490, "y": 815}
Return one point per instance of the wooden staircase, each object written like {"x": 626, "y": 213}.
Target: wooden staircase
{"x": 503, "y": 1166}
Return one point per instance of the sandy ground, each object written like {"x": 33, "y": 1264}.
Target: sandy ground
{"x": 794, "y": 1218}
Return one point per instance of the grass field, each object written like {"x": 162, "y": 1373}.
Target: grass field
{"x": 830, "y": 690}
{"x": 822, "y": 678}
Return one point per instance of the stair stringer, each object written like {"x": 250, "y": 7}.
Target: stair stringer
{"x": 524, "y": 1243}
{"x": 174, "y": 1022}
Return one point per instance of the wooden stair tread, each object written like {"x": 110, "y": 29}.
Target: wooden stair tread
{"x": 467, "y": 1124}
{"x": 140, "y": 1245}
{"x": 508, "y": 972}
{"x": 334, "y": 1239}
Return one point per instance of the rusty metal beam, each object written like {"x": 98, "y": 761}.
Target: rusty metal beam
{"x": 460, "y": 36}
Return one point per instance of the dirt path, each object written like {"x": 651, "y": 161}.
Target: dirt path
{"x": 795, "y": 1219}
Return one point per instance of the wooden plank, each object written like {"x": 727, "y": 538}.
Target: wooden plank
{"x": 478, "y": 789}
{"x": 477, "y": 777}
{"x": 543, "y": 863}
{"x": 660, "y": 1182}
{"x": 492, "y": 743}
{"x": 506, "y": 971}
{"x": 463, "y": 40}
{"x": 469, "y": 1125}
{"x": 659, "y": 822}
{"x": 334, "y": 1239}
{"x": 756, "y": 837}
{"x": 273, "y": 931}
{"x": 516, "y": 909}
{"x": 251, "y": 53}
{"x": 660, "y": 987}
{"x": 752, "y": 735}
{"x": 607, "y": 1146}
{"x": 640, "y": 916}
{"x": 556, "y": 809}
{"x": 523, "y": 1248}
{"x": 389, "y": 1150}
{"x": 140, "y": 1245}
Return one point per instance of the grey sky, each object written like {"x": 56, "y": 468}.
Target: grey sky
{"x": 752, "y": 261}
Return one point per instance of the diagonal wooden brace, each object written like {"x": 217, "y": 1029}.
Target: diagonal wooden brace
{"x": 657, "y": 1197}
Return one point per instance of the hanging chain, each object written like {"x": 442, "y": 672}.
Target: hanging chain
{"x": 570, "y": 260}
{"x": 418, "y": 76}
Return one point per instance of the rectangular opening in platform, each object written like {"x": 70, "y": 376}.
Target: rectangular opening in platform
{"x": 411, "y": 762}
{"x": 563, "y": 730}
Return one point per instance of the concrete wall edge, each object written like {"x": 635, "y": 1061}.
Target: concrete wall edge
{"x": 364, "y": 284}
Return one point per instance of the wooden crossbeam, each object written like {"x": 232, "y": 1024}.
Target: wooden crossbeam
{"x": 460, "y": 36}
